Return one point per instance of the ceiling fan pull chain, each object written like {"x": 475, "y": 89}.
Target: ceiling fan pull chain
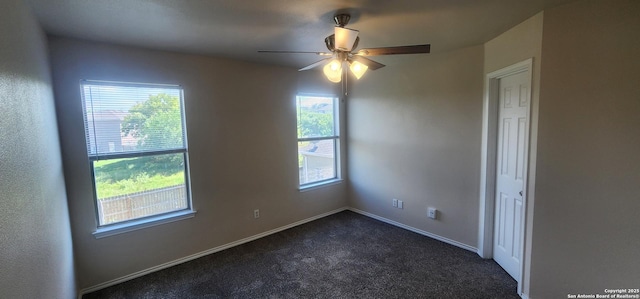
{"x": 345, "y": 86}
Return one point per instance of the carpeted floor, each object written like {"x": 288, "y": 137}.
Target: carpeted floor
{"x": 345, "y": 255}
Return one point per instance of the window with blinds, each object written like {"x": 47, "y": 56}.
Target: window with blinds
{"x": 136, "y": 142}
{"x": 318, "y": 140}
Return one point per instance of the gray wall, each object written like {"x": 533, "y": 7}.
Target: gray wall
{"x": 583, "y": 224}
{"x": 586, "y": 234}
{"x": 414, "y": 134}
{"x": 241, "y": 127}
{"x": 36, "y": 256}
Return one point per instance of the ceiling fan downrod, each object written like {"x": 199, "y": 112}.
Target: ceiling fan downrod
{"x": 342, "y": 19}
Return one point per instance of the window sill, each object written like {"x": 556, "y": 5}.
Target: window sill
{"x": 317, "y": 185}
{"x": 117, "y": 229}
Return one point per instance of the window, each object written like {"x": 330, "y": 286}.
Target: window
{"x": 318, "y": 139}
{"x": 137, "y": 146}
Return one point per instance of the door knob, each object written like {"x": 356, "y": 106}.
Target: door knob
{"x": 520, "y": 193}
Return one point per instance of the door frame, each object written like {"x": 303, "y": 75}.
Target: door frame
{"x": 488, "y": 167}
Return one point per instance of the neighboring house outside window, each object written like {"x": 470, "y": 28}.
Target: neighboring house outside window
{"x": 318, "y": 139}
{"x": 137, "y": 147}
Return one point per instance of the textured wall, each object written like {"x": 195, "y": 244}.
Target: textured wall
{"x": 241, "y": 127}
{"x": 36, "y": 256}
{"x": 519, "y": 43}
{"x": 586, "y": 232}
{"x": 414, "y": 134}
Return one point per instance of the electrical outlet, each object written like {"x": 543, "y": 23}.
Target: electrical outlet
{"x": 432, "y": 213}
{"x": 400, "y": 204}
{"x": 394, "y": 202}
{"x": 256, "y": 213}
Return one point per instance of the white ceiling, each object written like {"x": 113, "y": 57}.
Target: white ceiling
{"x": 239, "y": 28}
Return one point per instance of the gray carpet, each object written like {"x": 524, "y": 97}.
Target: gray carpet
{"x": 345, "y": 255}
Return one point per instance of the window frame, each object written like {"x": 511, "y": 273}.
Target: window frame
{"x": 105, "y": 230}
{"x": 336, "y": 137}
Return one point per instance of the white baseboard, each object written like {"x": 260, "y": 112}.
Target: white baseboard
{"x": 201, "y": 254}
{"x": 264, "y": 234}
{"x": 416, "y": 230}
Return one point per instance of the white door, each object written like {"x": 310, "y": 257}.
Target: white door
{"x": 510, "y": 172}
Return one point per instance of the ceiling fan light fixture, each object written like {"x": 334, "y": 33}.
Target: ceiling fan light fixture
{"x": 358, "y": 69}
{"x": 342, "y": 45}
{"x": 333, "y": 71}
{"x": 345, "y": 38}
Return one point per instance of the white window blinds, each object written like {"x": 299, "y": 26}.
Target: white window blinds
{"x": 124, "y": 118}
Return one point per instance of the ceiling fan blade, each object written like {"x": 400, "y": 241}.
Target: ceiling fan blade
{"x": 314, "y": 65}
{"x": 295, "y": 52}
{"x": 415, "y": 49}
{"x": 345, "y": 38}
{"x": 373, "y": 65}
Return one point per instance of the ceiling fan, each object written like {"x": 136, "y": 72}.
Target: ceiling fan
{"x": 342, "y": 45}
